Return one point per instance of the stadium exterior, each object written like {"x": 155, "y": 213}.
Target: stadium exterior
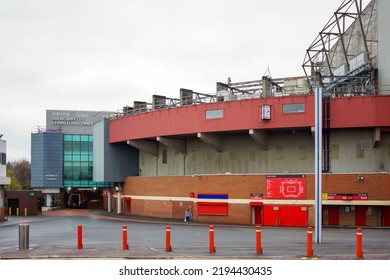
{"x": 246, "y": 153}
{"x": 62, "y": 159}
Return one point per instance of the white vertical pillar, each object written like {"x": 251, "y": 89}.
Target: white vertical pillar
{"x": 318, "y": 163}
{"x": 109, "y": 208}
{"x": 119, "y": 204}
{"x": 48, "y": 199}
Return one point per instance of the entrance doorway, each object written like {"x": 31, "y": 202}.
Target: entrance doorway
{"x": 361, "y": 215}
{"x": 333, "y": 215}
{"x": 127, "y": 205}
{"x": 257, "y": 215}
{"x": 13, "y": 206}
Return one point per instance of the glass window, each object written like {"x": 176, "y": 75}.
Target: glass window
{"x": 164, "y": 156}
{"x": 67, "y": 147}
{"x": 84, "y": 157}
{"x": 67, "y": 172}
{"x": 214, "y": 114}
{"x": 78, "y": 161}
{"x": 84, "y": 171}
{"x": 76, "y": 147}
{"x": 3, "y": 158}
{"x": 293, "y": 108}
{"x": 67, "y": 157}
{"x": 84, "y": 147}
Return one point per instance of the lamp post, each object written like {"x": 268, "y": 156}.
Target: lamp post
{"x": 318, "y": 164}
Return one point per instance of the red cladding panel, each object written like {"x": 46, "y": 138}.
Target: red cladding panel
{"x": 360, "y": 111}
{"x": 357, "y": 111}
{"x": 237, "y": 115}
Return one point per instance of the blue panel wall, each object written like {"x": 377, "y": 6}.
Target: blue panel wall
{"x": 46, "y": 160}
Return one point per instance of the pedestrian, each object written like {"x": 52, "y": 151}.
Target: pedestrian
{"x": 187, "y": 216}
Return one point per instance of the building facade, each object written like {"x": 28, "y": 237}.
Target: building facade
{"x": 246, "y": 154}
{"x": 62, "y": 159}
{"x": 4, "y": 180}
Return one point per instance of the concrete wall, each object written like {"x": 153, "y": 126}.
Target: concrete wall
{"x": 112, "y": 163}
{"x": 384, "y": 46}
{"x": 291, "y": 151}
{"x": 347, "y": 155}
{"x": 73, "y": 121}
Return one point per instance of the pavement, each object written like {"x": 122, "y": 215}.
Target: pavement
{"x": 377, "y": 249}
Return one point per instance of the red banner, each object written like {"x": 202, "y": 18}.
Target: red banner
{"x": 347, "y": 196}
{"x": 286, "y": 187}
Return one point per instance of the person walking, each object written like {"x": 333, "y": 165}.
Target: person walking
{"x": 187, "y": 216}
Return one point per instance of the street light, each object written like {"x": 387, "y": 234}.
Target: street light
{"x": 318, "y": 163}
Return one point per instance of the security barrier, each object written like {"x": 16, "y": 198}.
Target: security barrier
{"x": 24, "y": 235}
{"x": 309, "y": 243}
{"x": 168, "y": 247}
{"x": 259, "y": 250}
{"x": 24, "y": 239}
{"x": 80, "y": 237}
{"x": 359, "y": 243}
{"x": 125, "y": 246}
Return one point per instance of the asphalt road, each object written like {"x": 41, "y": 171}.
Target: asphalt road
{"x": 54, "y": 235}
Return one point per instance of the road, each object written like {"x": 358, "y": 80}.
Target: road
{"x": 54, "y": 235}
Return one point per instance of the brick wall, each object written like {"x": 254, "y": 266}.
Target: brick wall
{"x": 240, "y": 187}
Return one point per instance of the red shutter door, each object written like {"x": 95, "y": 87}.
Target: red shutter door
{"x": 271, "y": 215}
{"x": 386, "y": 216}
{"x": 333, "y": 215}
{"x": 361, "y": 215}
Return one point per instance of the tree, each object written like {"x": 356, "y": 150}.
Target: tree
{"x": 15, "y": 186}
{"x": 21, "y": 173}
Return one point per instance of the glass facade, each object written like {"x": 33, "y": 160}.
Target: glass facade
{"x": 78, "y": 162}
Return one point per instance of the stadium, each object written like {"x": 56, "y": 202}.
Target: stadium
{"x": 246, "y": 154}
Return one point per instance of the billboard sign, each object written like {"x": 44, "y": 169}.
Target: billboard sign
{"x": 286, "y": 187}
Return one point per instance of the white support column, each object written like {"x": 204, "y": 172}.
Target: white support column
{"x": 109, "y": 207}
{"x": 119, "y": 204}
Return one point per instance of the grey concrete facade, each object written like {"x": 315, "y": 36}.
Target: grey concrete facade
{"x": 72, "y": 121}
{"x": 288, "y": 151}
{"x": 112, "y": 163}
{"x": 384, "y": 46}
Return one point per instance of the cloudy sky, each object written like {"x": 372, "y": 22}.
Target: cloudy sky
{"x": 103, "y": 55}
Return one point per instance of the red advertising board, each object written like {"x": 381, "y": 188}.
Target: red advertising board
{"x": 347, "y": 196}
{"x": 286, "y": 187}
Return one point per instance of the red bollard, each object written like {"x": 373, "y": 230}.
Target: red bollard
{"x": 125, "y": 246}
{"x": 168, "y": 247}
{"x": 309, "y": 250}
{"x": 259, "y": 250}
{"x": 211, "y": 239}
{"x": 359, "y": 243}
{"x": 80, "y": 237}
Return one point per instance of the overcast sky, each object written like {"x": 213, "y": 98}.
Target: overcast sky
{"x": 103, "y": 55}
